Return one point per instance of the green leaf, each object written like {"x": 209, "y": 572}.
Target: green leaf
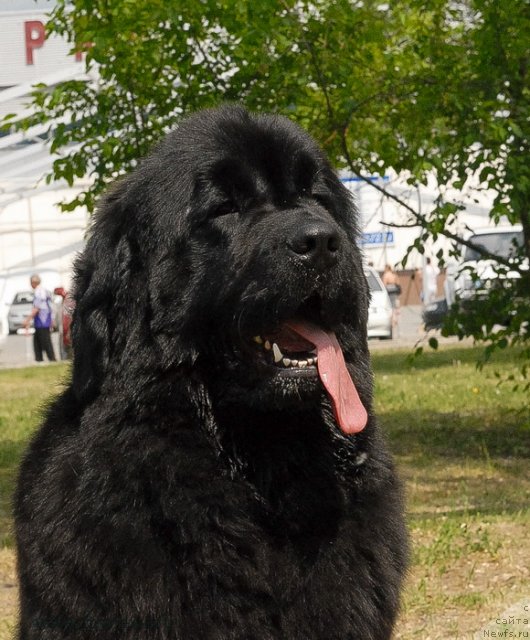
{"x": 433, "y": 343}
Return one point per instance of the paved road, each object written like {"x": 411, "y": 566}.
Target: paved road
{"x": 17, "y": 351}
{"x": 410, "y": 333}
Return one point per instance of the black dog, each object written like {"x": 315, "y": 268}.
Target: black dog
{"x": 214, "y": 470}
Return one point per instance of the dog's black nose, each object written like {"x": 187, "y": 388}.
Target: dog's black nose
{"x": 317, "y": 243}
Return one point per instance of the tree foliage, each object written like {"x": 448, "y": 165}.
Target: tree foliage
{"x": 428, "y": 89}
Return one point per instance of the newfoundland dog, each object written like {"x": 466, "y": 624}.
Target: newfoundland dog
{"x": 213, "y": 470}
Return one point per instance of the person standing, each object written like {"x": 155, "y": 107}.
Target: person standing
{"x": 41, "y": 314}
{"x": 391, "y": 281}
{"x": 430, "y": 281}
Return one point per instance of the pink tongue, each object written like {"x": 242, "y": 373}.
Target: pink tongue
{"x": 347, "y": 406}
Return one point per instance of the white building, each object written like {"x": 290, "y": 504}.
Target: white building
{"x": 386, "y": 244}
{"x": 34, "y": 235}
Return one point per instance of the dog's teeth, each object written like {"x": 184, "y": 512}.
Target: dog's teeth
{"x": 278, "y": 355}
{"x": 267, "y": 345}
{"x": 258, "y": 339}
{"x": 302, "y": 363}
{"x": 310, "y": 361}
{"x": 294, "y": 363}
{"x": 286, "y": 362}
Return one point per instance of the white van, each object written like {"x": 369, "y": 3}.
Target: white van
{"x": 499, "y": 241}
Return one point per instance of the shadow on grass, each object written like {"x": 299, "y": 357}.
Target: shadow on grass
{"x": 394, "y": 362}
{"x": 490, "y": 493}
{"x": 458, "y": 465}
{"x": 453, "y": 435}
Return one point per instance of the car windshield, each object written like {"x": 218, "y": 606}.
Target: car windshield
{"x": 373, "y": 282}
{"x": 23, "y": 297}
{"x": 503, "y": 245}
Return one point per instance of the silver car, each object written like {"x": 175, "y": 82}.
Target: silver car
{"x": 19, "y": 310}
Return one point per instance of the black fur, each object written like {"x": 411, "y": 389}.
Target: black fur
{"x": 181, "y": 488}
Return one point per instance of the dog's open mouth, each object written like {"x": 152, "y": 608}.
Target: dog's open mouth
{"x": 285, "y": 348}
{"x": 300, "y": 345}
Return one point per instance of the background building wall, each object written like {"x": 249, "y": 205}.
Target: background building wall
{"x": 24, "y": 56}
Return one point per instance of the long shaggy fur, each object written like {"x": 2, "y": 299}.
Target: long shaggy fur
{"x": 180, "y": 488}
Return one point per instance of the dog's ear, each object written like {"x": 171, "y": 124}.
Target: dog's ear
{"x": 100, "y": 284}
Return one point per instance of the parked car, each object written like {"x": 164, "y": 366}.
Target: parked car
{"x": 64, "y": 314}
{"x": 475, "y": 275}
{"x": 380, "y": 313}
{"x": 471, "y": 280}
{"x": 19, "y": 310}
{"x": 434, "y": 313}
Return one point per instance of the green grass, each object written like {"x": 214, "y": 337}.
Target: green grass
{"x": 23, "y": 394}
{"x": 462, "y": 444}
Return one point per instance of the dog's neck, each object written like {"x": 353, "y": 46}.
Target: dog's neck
{"x": 293, "y": 461}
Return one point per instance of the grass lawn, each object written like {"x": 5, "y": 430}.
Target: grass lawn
{"x": 23, "y": 393}
{"x": 462, "y": 445}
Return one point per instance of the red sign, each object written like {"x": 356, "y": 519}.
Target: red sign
{"x": 35, "y": 36}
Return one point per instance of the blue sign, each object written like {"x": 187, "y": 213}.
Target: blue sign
{"x": 373, "y": 238}
{"x": 365, "y": 178}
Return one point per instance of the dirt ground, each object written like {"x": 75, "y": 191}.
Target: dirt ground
{"x": 8, "y": 594}
{"x": 471, "y": 592}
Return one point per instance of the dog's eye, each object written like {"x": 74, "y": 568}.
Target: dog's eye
{"x": 223, "y": 209}
{"x": 322, "y": 198}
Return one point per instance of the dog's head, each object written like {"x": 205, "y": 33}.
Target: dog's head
{"x": 231, "y": 251}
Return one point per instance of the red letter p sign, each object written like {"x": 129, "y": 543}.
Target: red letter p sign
{"x": 34, "y": 38}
